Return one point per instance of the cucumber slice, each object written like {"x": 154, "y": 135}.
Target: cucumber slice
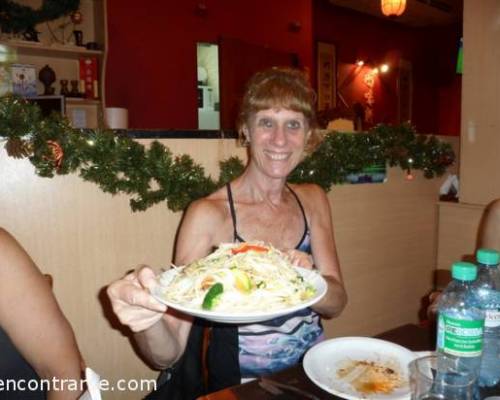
{"x": 213, "y": 296}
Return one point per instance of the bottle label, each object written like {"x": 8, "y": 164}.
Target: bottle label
{"x": 459, "y": 337}
{"x": 492, "y": 319}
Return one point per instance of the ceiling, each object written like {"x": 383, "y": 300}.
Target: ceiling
{"x": 418, "y": 13}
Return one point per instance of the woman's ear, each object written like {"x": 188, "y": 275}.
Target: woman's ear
{"x": 245, "y": 136}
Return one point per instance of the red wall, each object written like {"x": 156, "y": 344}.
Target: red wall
{"x": 151, "y": 67}
{"x": 432, "y": 52}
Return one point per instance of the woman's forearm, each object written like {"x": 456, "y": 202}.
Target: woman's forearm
{"x": 163, "y": 344}
{"x": 334, "y": 301}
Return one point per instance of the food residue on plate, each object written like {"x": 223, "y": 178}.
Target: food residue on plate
{"x": 370, "y": 377}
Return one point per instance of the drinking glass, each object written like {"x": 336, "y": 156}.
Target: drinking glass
{"x": 441, "y": 378}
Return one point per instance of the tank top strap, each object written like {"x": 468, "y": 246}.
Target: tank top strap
{"x": 306, "y": 225}
{"x": 236, "y": 237}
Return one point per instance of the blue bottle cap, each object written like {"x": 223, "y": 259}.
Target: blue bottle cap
{"x": 488, "y": 257}
{"x": 463, "y": 271}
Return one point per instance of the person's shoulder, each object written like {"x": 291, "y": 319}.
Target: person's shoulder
{"x": 4, "y": 235}
{"x": 211, "y": 207}
{"x": 309, "y": 191}
{"x": 494, "y": 207}
{"x": 6, "y": 239}
{"x": 314, "y": 200}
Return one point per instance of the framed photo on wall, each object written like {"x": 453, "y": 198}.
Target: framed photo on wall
{"x": 326, "y": 75}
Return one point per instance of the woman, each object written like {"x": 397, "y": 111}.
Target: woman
{"x": 277, "y": 120}
{"x": 36, "y": 340}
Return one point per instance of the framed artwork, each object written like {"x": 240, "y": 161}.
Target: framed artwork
{"x": 326, "y": 76}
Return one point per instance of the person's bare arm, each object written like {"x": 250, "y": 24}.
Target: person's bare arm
{"x": 161, "y": 336}
{"x": 31, "y": 317}
{"x": 325, "y": 253}
{"x": 490, "y": 235}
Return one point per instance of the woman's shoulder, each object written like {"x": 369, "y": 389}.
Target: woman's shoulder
{"x": 309, "y": 191}
{"x": 314, "y": 200}
{"x": 212, "y": 206}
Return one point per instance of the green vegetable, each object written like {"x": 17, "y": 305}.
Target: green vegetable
{"x": 212, "y": 297}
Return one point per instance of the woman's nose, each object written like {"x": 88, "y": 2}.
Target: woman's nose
{"x": 279, "y": 137}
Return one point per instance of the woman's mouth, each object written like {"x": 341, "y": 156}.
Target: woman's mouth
{"x": 277, "y": 156}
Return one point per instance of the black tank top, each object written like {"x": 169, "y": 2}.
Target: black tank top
{"x": 14, "y": 367}
{"x": 304, "y": 242}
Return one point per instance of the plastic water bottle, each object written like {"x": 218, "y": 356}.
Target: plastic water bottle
{"x": 487, "y": 287}
{"x": 460, "y": 320}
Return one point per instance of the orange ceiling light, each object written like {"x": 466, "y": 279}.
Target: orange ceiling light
{"x": 393, "y": 8}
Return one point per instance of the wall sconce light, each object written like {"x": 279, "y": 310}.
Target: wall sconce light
{"x": 382, "y": 68}
{"x": 295, "y": 26}
{"x": 393, "y": 8}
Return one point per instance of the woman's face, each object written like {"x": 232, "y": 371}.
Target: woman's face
{"x": 277, "y": 140}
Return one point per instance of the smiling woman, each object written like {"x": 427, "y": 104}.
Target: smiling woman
{"x": 277, "y": 118}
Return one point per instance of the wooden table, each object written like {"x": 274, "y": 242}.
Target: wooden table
{"x": 414, "y": 337}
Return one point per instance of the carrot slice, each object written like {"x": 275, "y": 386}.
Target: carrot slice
{"x": 249, "y": 247}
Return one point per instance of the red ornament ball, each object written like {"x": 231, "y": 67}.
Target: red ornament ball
{"x": 76, "y": 17}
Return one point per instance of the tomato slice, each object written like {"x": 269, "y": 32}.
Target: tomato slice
{"x": 249, "y": 247}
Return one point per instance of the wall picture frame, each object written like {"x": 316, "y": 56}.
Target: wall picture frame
{"x": 326, "y": 75}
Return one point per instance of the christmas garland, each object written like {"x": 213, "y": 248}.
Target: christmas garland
{"x": 118, "y": 164}
{"x": 16, "y": 18}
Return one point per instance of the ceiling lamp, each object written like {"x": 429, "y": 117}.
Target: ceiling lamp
{"x": 393, "y": 8}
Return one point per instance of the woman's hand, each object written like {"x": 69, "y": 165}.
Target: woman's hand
{"x": 433, "y": 305}
{"x": 132, "y": 302}
{"x": 300, "y": 259}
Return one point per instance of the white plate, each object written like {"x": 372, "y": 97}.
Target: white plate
{"x": 322, "y": 361}
{"x": 309, "y": 276}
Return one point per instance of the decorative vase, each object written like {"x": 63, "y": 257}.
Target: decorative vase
{"x": 78, "y": 35}
{"x": 47, "y": 76}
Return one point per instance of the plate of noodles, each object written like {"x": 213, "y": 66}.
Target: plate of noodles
{"x": 360, "y": 368}
{"x": 240, "y": 283}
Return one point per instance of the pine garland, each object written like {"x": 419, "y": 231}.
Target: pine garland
{"x": 15, "y": 17}
{"x": 118, "y": 164}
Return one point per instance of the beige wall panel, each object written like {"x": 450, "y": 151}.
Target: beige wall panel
{"x": 458, "y": 232}
{"x": 480, "y": 179}
{"x": 386, "y": 238}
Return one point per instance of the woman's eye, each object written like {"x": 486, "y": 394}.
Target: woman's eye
{"x": 294, "y": 124}
{"x": 266, "y": 123}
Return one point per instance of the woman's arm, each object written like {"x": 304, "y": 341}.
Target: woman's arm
{"x": 324, "y": 252}
{"x": 31, "y": 317}
{"x": 162, "y": 336}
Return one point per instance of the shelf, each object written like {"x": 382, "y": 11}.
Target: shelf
{"x": 32, "y": 48}
{"x": 75, "y": 101}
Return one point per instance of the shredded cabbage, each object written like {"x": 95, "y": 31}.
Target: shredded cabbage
{"x": 256, "y": 277}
